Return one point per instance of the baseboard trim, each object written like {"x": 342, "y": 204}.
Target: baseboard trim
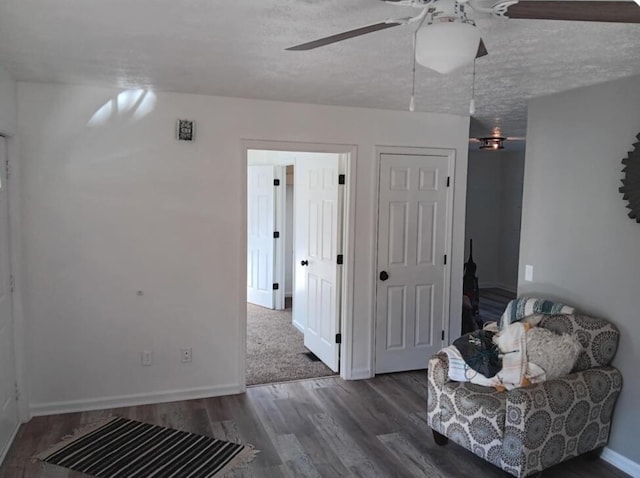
{"x": 507, "y": 287}
{"x": 359, "y": 374}
{"x": 5, "y": 450}
{"x": 497, "y": 285}
{"x": 72, "y": 406}
{"x": 487, "y": 285}
{"x": 620, "y": 462}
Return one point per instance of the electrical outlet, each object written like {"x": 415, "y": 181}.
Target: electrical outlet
{"x": 147, "y": 357}
{"x": 185, "y": 354}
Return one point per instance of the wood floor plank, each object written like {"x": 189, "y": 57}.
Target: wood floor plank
{"x": 278, "y": 408}
{"x": 250, "y": 428}
{"x": 225, "y": 430}
{"x": 493, "y": 302}
{"x": 53, "y": 471}
{"x": 316, "y": 428}
{"x": 279, "y": 471}
{"x": 366, "y": 422}
{"x": 295, "y": 458}
{"x": 336, "y": 438}
{"x": 415, "y": 462}
{"x": 347, "y": 446}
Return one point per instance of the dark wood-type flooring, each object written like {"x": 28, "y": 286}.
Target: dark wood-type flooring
{"x": 314, "y": 428}
{"x": 493, "y": 302}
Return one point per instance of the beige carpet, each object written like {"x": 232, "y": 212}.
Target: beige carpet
{"x": 275, "y": 349}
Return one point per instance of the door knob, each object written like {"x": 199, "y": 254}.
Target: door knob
{"x": 384, "y": 276}
{"x": 304, "y": 263}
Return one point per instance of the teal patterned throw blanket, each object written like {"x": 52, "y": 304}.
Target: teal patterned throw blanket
{"x": 517, "y": 309}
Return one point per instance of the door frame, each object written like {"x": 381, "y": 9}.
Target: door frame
{"x": 16, "y": 264}
{"x": 349, "y": 152}
{"x": 410, "y": 150}
{"x": 280, "y": 224}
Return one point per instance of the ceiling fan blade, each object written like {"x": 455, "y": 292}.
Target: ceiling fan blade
{"x": 580, "y": 11}
{"x": 345, "y": 35}
{"x": 482, "y": 50}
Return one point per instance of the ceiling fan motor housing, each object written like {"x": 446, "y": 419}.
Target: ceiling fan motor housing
{"x": 447, "y": 10}
{"x": 448, "y": 39}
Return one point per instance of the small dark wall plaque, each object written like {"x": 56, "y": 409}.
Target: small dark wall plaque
{"x": 631, "y": 182}
{"x": 185, "y": 130}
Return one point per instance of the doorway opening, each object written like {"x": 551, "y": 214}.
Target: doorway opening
{"x": 493, "y": 213}
{"x": 297, "y": 236}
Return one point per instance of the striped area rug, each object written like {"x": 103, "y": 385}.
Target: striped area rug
{"x": 119, "y": 447}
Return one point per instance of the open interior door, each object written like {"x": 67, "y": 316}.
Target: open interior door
{"x": 260, "y": 237}
{"x": 318, "y": 233}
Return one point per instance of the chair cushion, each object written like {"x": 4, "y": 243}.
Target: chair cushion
{"x": 598, "y": 337}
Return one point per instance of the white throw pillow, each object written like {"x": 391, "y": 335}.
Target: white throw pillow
{"x": 555, "y": 354}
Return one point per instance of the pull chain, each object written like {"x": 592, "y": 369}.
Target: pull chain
{"x": 412, "y": 103}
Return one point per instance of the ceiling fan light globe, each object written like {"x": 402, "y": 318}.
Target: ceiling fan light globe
{"x": 447, "y": 46}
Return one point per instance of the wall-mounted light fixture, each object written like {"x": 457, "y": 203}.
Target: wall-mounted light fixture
{"x": 492, "y": 143}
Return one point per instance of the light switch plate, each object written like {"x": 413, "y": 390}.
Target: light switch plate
{"x": 147, "y": 358}
{"x": 528, "y": 273}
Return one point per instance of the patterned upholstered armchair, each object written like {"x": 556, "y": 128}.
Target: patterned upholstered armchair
{"x": 526, "y": 430}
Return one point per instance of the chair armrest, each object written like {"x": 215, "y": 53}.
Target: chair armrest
{"x": 438, "y": 369}
{"x": 551, "y": 421}
{"x": 437, "y": 376}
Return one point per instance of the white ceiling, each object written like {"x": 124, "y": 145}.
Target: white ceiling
{"x": 236, "y": 48}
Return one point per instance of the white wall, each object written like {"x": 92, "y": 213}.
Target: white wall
{"x": 115, "y": 205}
{"x": 575, "y": 230}
{"x": 494, "y": 198}
{"x": 8, "y": 105}
{"x": 512, "y": 175}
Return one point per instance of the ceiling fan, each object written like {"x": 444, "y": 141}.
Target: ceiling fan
{"x": 446, "y": 37}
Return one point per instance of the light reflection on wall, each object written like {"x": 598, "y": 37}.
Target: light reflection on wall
{"x": 134, "y": 104}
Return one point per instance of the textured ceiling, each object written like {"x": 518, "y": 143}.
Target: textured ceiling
{"x": 236, "y": 48}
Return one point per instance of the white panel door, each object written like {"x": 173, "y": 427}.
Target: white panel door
{"x": 260, "y": 240}
{"x": 412, "y": 225}
{"x": 8, "y": 405}
{"x": 318, "y": 222}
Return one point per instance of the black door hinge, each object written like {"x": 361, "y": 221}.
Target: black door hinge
{"x": 338, "y": 338}
{"x": 276, "y": 182}
{"x": 443, "y": 335}
{"x": 276, "y": 286}
{"x": 448, "y": 181}
{"x": 340, "y": 259}
{"x": 341, "y": 178}
{"x": 445, "y": 259}
{"x": 276, "y": 234}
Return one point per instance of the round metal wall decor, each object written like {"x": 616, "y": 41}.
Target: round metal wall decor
{"x": 631, "y": 182}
